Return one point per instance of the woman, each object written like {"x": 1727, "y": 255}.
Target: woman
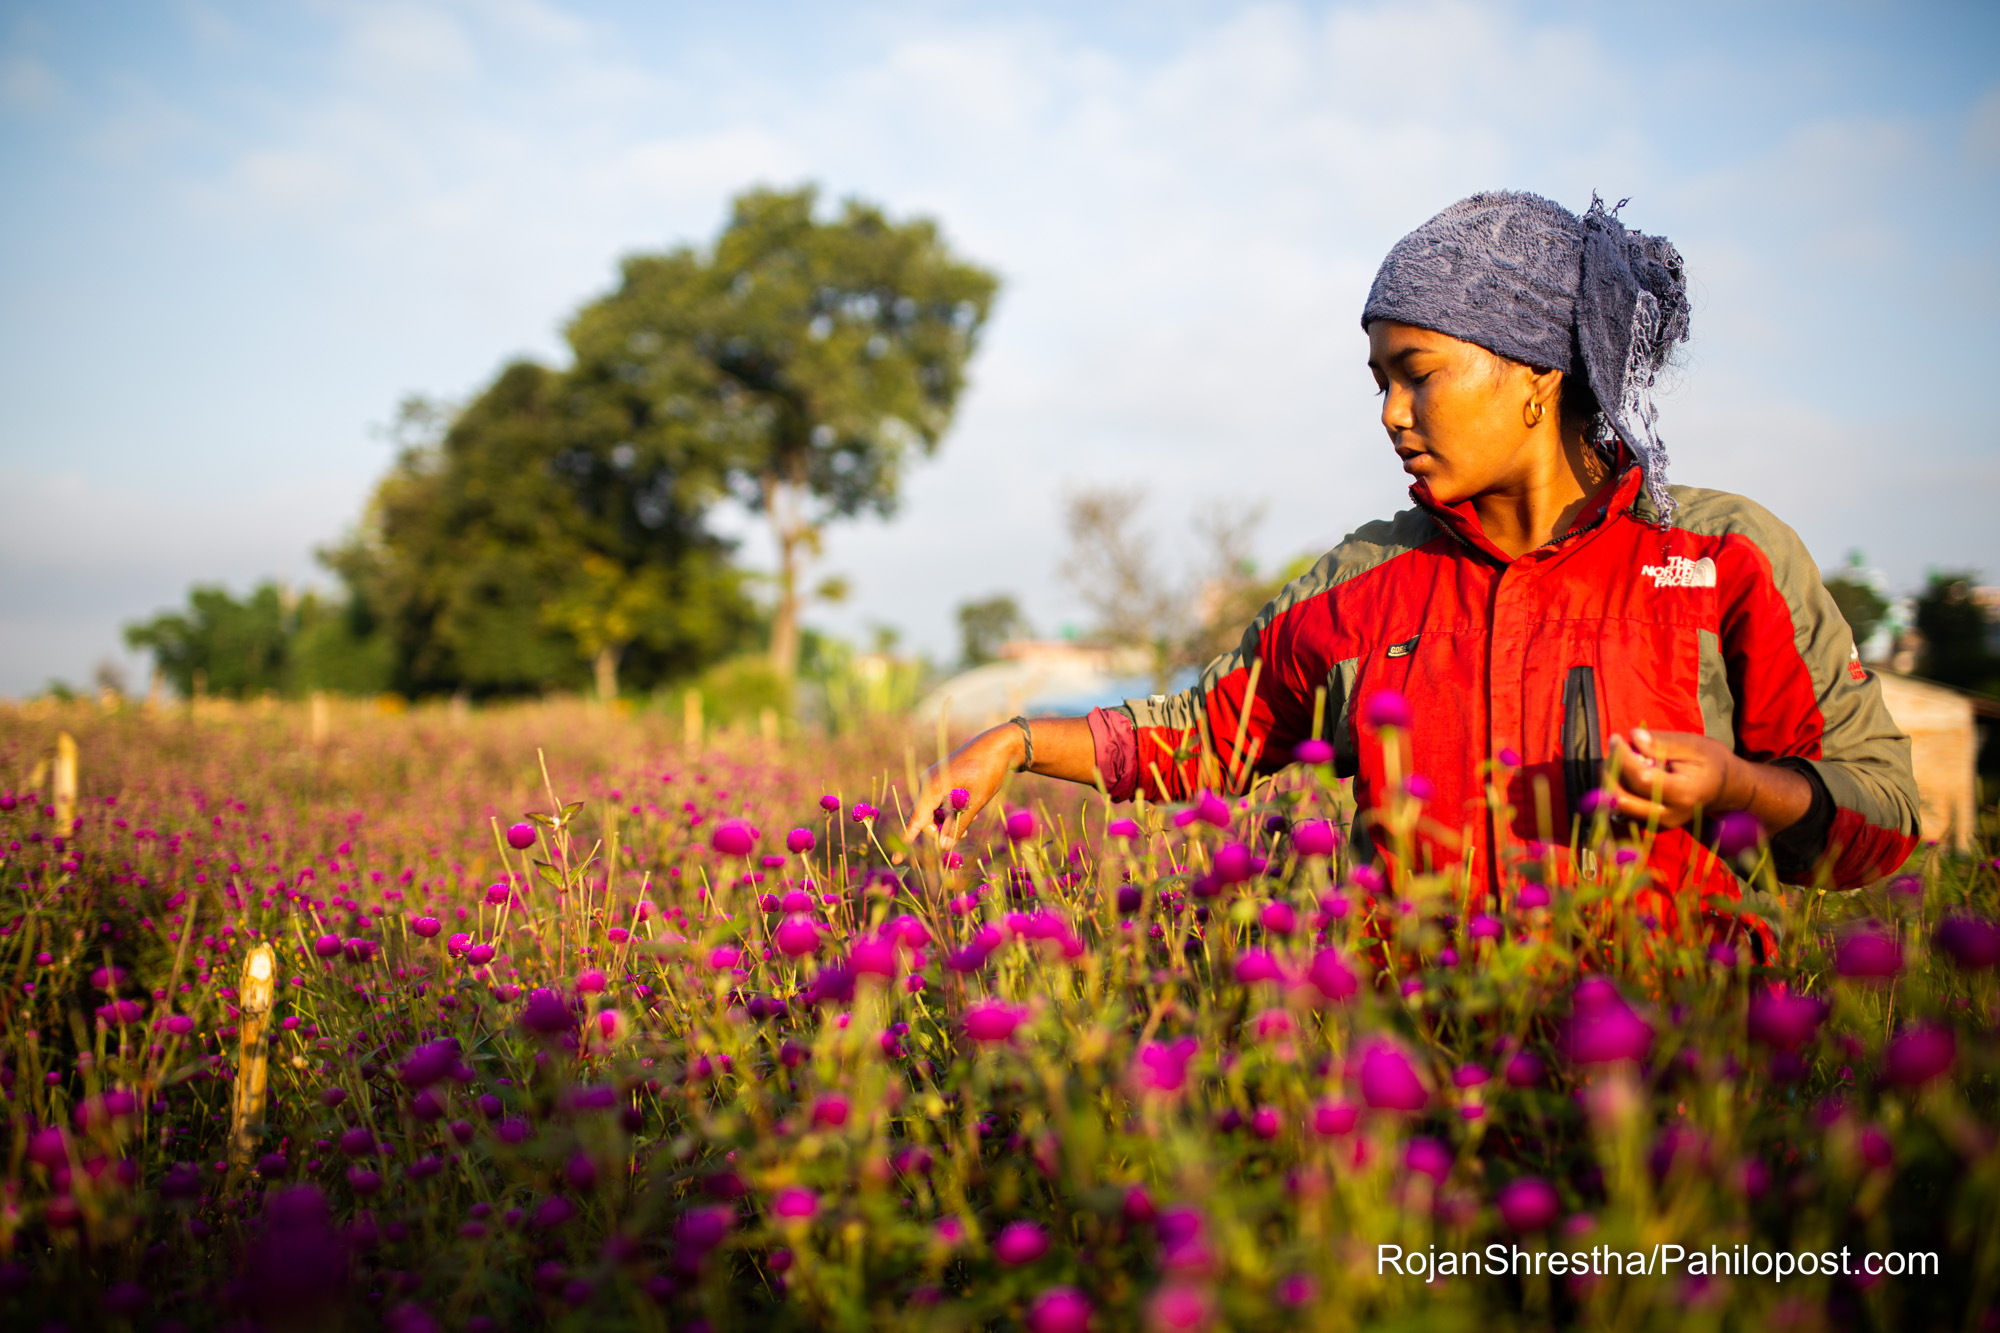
{"x": 1552, "y": 611}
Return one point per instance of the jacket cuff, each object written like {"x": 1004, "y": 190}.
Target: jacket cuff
{"x": 1796, "y": 852}
{"x": 1115, "y": 743}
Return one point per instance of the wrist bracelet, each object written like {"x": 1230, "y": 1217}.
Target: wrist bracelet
{"x": 1028, "y": 735}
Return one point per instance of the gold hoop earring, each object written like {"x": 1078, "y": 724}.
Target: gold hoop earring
{"x": 1538, "y": 411}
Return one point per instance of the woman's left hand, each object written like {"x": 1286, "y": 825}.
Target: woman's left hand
{"x": 1670, "y": 776}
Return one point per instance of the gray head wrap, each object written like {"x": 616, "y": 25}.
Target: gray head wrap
{"x": 1530, "y": 280}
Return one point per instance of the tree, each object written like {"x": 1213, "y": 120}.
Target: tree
{"x": 1957, "y": 635}
{"x": 531, "y": 544}
{"x": 1110, "y": 565}
{"x": 985, "y": 625}
{"x": 812, "y": 357}
{"x": 271, "y": 641}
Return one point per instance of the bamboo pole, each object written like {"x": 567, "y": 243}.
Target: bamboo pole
{"x": 252, "y": 1064}
{"x": 65, "y": 784}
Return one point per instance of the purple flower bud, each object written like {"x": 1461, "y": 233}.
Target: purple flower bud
{"x": 960, "y": 798}
{"x": 830, "y": 1111}
{"x": 1528, "y": 1204}
{"x": 1524, "y": 1070}
{"x": 1059, "y": 1310}
{"x": 1604, "y": 1028}
{"x": 1278, "y": 918}
{"x": 993, "y": 1021}
{"x": 1128, "y": 829}
{"x": 1387, "y": 708}
{"x": 1483, "y": 927}
{"x": 1737, "y": 832}
{"x": 1531, "y": 895}
{"x": 1331, "y": 975}
{"x": 1970, "y": 941}
{"x": 1918, "y": 1054}
{"x": 327, "y": 946}
{"x": 1265, "y": 1124}
{"x": 521, "y": 836}
{"x": 1333, "y": 1119}
{"x": 581, "y": 1173}
{"x": 1211, "y": 809}
{"x": 1389, "y": 1080}
{"x": 800, "y": 841}
{"x": 733, "y": 837}
{"x": 1313, "y": 752}
{"x": 1021, "y": 825}
{"x": 430, "y": 1063}
{"x": 546, "y": 1015}
{"x": 1257, "y": 965}
{"x": 873, "y": 956}
{"x": 357, "y": 1142}
{"x": 862, "y": 812}
{"x": 1428, "y": 1157}
{"x": 1020, "y": 1243}
{"x": 426, "y": 927}
{"x": 1782, "y": 1020}
{"x": 479, "y": 955}
{"x": 830, "y": 804}
{"x": 796, "y": 936}
{"x": 1867, "y": 952}
{"x": 1315, "y": 837}
{"x": 1509, "y": 757}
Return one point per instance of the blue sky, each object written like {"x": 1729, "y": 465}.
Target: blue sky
{"x": 233, "y": 236}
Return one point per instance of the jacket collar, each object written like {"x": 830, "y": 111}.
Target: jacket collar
{"x": 1462, "y": 521}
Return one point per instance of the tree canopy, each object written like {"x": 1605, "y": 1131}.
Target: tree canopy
{"x": 534, "y": 545}
{"x": 807, "y": 360}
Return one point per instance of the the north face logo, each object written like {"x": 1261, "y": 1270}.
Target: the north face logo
{"x": 1681, "y": 572}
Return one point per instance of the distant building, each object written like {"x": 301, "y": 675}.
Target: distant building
{"x": 1040, "y": 678}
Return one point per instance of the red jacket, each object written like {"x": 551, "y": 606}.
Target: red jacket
{"x": 1717, "y": 624}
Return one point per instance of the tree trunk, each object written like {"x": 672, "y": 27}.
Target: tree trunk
{"x": 605, "y": 667}
{"x": 791, "y": 535}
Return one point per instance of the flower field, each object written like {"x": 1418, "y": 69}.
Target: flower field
{"x": 629, "y": 1036}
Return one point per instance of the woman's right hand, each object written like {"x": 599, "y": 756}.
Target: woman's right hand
{"x": 978, "y": 767}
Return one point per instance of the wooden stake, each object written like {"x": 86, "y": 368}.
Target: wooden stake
{"x": 252, "y": 1064}
{"x": 691, "y": 722}
{"x": 65, "y": 785}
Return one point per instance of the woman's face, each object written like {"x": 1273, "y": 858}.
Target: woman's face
{"x": 1456, "y": 414}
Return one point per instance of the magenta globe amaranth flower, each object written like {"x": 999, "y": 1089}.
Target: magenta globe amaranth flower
{"x": 1389, "y": 1080}
{"x": 830, "y": 803}
{"x": 796, "y": 936}
{"x": 1162, "y": 1066}
{"x": 1257, "y": 965}
{"x": 1059, "y": 1310}
{"x": 430, "y": 1063}
{"x": 1868, "y": 953}
{"x": 1918, "y": 1054}
{"x": 1524, "y": 1070}
{"x": 862, "y": 812}
{"x": 1278, "y": 918}
{"x": 1388, "y": 708}
{"x": 1428, "y": 1157}
{"x": 1332, "y": 1119}
{"x": 1604, "y": 1029}
{"x": 545, "y": 1014}
{"x": 1128, "y": 829}
{"x": 1020, "y": 1243}
{"x": 1313, "y": 752}
{"x": 1528, "y": 1204}
{"x": 1331, "y": 975}
{"x": 1021, "y": 825}
{"x": 426, "y": 927}
{"x": 733, "y": 837}
{"x": 1784, "y": 1021}
{"x": 794, "y": 1203}
{"x": 993, "y": 1021}
{"x": 327, "y": 946}
{"x": 1737, "y": 833}
{"x": 521, "y": 836}
{"x": 1314, "y": 837}
{"x": 1971, "y": 942}
{"x": 800, "y": 841}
